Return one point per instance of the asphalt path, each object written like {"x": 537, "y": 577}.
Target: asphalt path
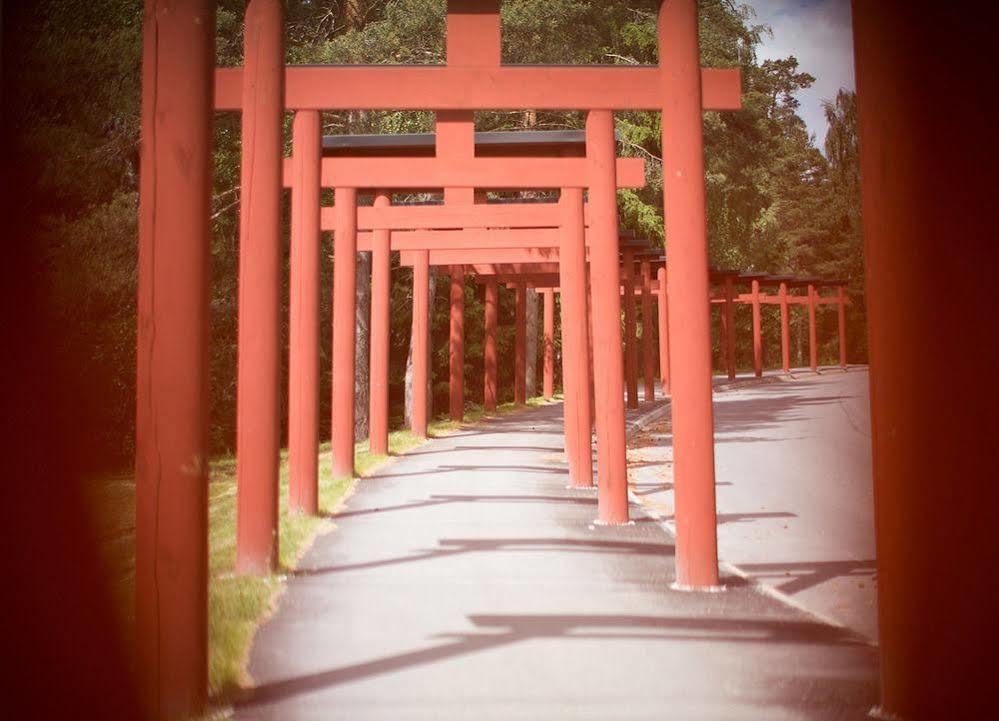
{"x": 464, "y": 581}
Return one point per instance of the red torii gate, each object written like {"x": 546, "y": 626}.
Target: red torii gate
{"x": 171, "y": 424}
{"x": 456, "y": 149}
{"x": 728, "y": 299}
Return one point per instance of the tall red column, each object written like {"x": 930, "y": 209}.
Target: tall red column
{"x": 489, "y": 346}
{"x": 456, "y": 343}
{"x": 785, "y": 329}
{"x": 690, "y": 344}
{"x": 520, "y": 347}
{"x": 258, "y": 400}
{"x": 648, "y": 366}
{"x": 662, "y": 315}
{"x": 421, "y": 342}
{"x": 303, "y": 325}
{"x": 171, "y": 421}
{"x": 757, "y": 331}
{"x": 548, "y": 366}
{"x": 630, "y": 331}
{"x": 575, "y": 340}
{"x": 813, "y": 346}
{"x": 605, "y": 286}
{"x": 929, "y": 193}
{"x": 381, "y": 291}
{"x": 344, "y": 308}
{"x": 841, "y": 312}
{"x": 728, "y": 313}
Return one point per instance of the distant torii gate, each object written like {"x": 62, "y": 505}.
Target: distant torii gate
{"x": 172, "y": 417}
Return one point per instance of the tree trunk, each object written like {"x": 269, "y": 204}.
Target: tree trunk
{"x": 532, "y": 343}
{"x": 362, "y": 324}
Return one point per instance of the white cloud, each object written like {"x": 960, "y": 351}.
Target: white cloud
{"x": 819, "y": 34}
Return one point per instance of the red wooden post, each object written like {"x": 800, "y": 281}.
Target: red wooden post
{"x": 171, "y": 422}
{"x": 421, "y": 342}
{"x": 757, "y": 331}
{"x": 728, "y": 313}
{"x": 630, "y": 332}
{"x": 575, "y": 341}
{"x": 380, "y": 330}
{"x": 344, "y": 308}
{"x": 841, "y": 308}
{"x": 662, "y": 315}
{"x": 785, "y": 329}
{"x": 303, "y": 325}
{"x": 648, "y": 367}
{"x": 520, "y": 347}
{"x": 456, "y": 344}
{"x": 489, "y": 345}
{"x": 605, "y": 286}
{"x": 813, "y": 347}
{"x": 689, "y": 322}
{"x": 924, "y": 146}
{"x": 260, "y": 264}
{"x": 548, "y": 383}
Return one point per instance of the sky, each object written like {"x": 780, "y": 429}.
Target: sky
{"x": 819, "y": 34}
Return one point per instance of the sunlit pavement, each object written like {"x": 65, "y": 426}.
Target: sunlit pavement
{"x": 465, "y": 582}
{"x": 794, "y": 489}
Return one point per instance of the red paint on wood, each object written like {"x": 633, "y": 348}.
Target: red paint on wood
{"x": 303, "y": 339}
{"x": 757, "y": 331}
{"x": 421, "y": 343}
{"x": 489, "y": 346}
{"x": 662, "y": 300}
{"x": 648, "y": 366}
{"x": 171, "y": 439}
{"x": 344, "y": 309}
{"x": 630, "y": 331}
{"x": 260, "y": 266}
{"x": 687, "y": 285}
{"x": 520, "y": 347}
{"x": 456, "y": 344}
{"x": 575, "y": 342}
{"x": 608, "y": 368}
{"x": 381, "y": 290}
{"x": 548, "y": 366}
{"x": 785, "y": 329}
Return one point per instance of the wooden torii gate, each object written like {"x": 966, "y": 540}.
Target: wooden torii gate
{"x": 464, "y": 222}
{"x": 179, "y": 95}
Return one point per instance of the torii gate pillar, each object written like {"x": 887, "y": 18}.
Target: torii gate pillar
{"x": 813, "y": 345}
{"x": 928, "y": 214}
{"x": 303, "y": 331}
{"x": 757, "y": 331}
{"x": 689, "y": 317}
{"x": 421, "y": 342}
{"x": 171, "y": 422}
{"x": 548, "y": 366}
{"x": 785, "y": 329}
{"x": 662, "y": 314}
{"x": 841, "y": 313}
{"x": 456, "y": 343}
{"x": 575, "y": 340}
{"x": 520, "y": 347}
{"x": 380, "y": 331}
{"x": 630, "y": 332}
{"x": 489, "y": 346}
{"x": 605, "y": 287}
{"x": 648, "y": 367}
{"x": 344, "y": 309}
{"x": 258, "y": 400}
{"x": 728, "y": 324}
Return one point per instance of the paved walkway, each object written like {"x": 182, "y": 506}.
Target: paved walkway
{"x": 465, "y": 581}
{"x": 795, "y": 496}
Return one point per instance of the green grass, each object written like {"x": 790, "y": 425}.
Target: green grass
{"x": 238, "y": 604}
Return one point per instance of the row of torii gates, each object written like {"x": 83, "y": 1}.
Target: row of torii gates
{"x": 574, "y": 245}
